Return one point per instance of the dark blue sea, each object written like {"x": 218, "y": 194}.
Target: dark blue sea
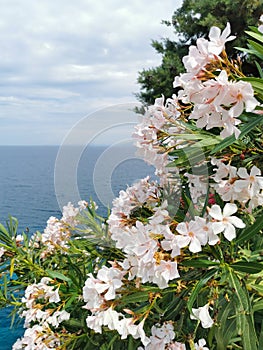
{"x": 28, "y": 192}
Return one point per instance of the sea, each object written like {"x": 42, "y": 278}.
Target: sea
{"x": 36, "y": 181}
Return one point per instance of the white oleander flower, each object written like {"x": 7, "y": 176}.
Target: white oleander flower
{"x": 202, "y": 314}
{"x": 58, "y": 317}
{"x": 218, "y": 39}
{"x": 176, "y": 346}
{"x": 201, "y": 345}
{"x": 110, "y": 280}
{"x": 192, "y": 235}
{"x": 164, "y": 272}
{"x": 252, "y": 182}
{"x": 226, "y": 222}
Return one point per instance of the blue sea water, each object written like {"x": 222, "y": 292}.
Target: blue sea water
{"x": 27, "y": 191}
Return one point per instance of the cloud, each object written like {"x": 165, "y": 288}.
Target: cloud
{"x": 60, "y": 60}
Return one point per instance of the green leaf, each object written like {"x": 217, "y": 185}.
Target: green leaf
{"x": 244, "y": 130}
{"x": 196, "y": 290}
{"x": 258, "y": 288}
{"x": 135, "y": 298}
{"x": 189, "y": 155}
{"x": 250, "y": 231}
{"x": 109, "y": 345}
{"x": 256, "y": 46}
{"x": 226, "y": 324}
{"x": 71, "y": 300}
{"x": 256, "y": 36}
{"x": 247, "y": 267}
{"x": 244, "y": 317}
{"x": 251, "y": 51}
{"x": 199, "y": 263}
{"x": 260, "y": 343}
{"x": 58, "y": 275}
{"x": 258, "y": 305}
{"x": 259, "y": 69}
{"x": 3, "y": 230}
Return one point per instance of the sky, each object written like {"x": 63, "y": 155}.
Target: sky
{"x": 64, "y": 61}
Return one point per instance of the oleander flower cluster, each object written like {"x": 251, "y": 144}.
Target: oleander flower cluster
{"x": 177, "y": 264}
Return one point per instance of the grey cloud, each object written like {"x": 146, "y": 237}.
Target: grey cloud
{"x": 61, "y": 59}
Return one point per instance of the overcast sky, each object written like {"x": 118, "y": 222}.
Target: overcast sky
{"x": 61, "y": 60}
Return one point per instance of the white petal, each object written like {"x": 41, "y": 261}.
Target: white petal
{"x": 226, "y": 31}
{"x": 212, "y": 238}
{"x": 230, "y": 232}
{"x": 234, "y": 220}
{"x": 183, "y": 241}
{"x": 242, "y": 172}
{"x": 218, "y": 227}
{"x": 195, "y": 246}
{"x": 229, "y": 209}
{"x": 214, "y": 33}
{"x": 255, "y": 171}
{"x": 216, "y": 212}
{"x": 182, "y": 228}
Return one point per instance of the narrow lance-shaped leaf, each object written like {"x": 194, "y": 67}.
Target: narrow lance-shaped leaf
{"x": 250, "y": 231}
{"x": 200, "y": 284}
{"x": 255, "y": 35}
{"x": 243, "y": 313}
{"x": 247, "y": 267}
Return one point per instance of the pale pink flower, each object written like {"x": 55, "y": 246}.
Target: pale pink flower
{"x": 172, "y": 242}
{"x": 202, "y": 314}
{"x": 111, "y": 318}
{"x": 241, "y": 95}
{"x": 253, "y": 182}
{"x": 58, "y": 317}
{"x": 201, "y": 345}
{"x": 53, "y": 295}
{"x": 69, "y": 214}
{"x": 207, "y": 115}
{"x": 161, "y": 337}
{"x": 176, "y": 346}
{"x": 198, "y": 56}
{"x": 95, "y": 321}
{"x": 38, "y": 338}
{"x": 164, "y": 272}
{"x": 223, "y": 170}
{"x": 226, "y": 222}
{"x": 55, "y": 237}
{"x": 218, "y": 39}
{"x": 160, "y": 215}
{"x": 166, "y": 331}
{"x": 126, "y": 327}
{"x": 190, "y": 234}
{"x": 110, "y": 280}
{"x": 91, "y": 296}
{"x": 229, "y": 126}
{"x": 140, "y": 333}
{"x": 206, "y": 228}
